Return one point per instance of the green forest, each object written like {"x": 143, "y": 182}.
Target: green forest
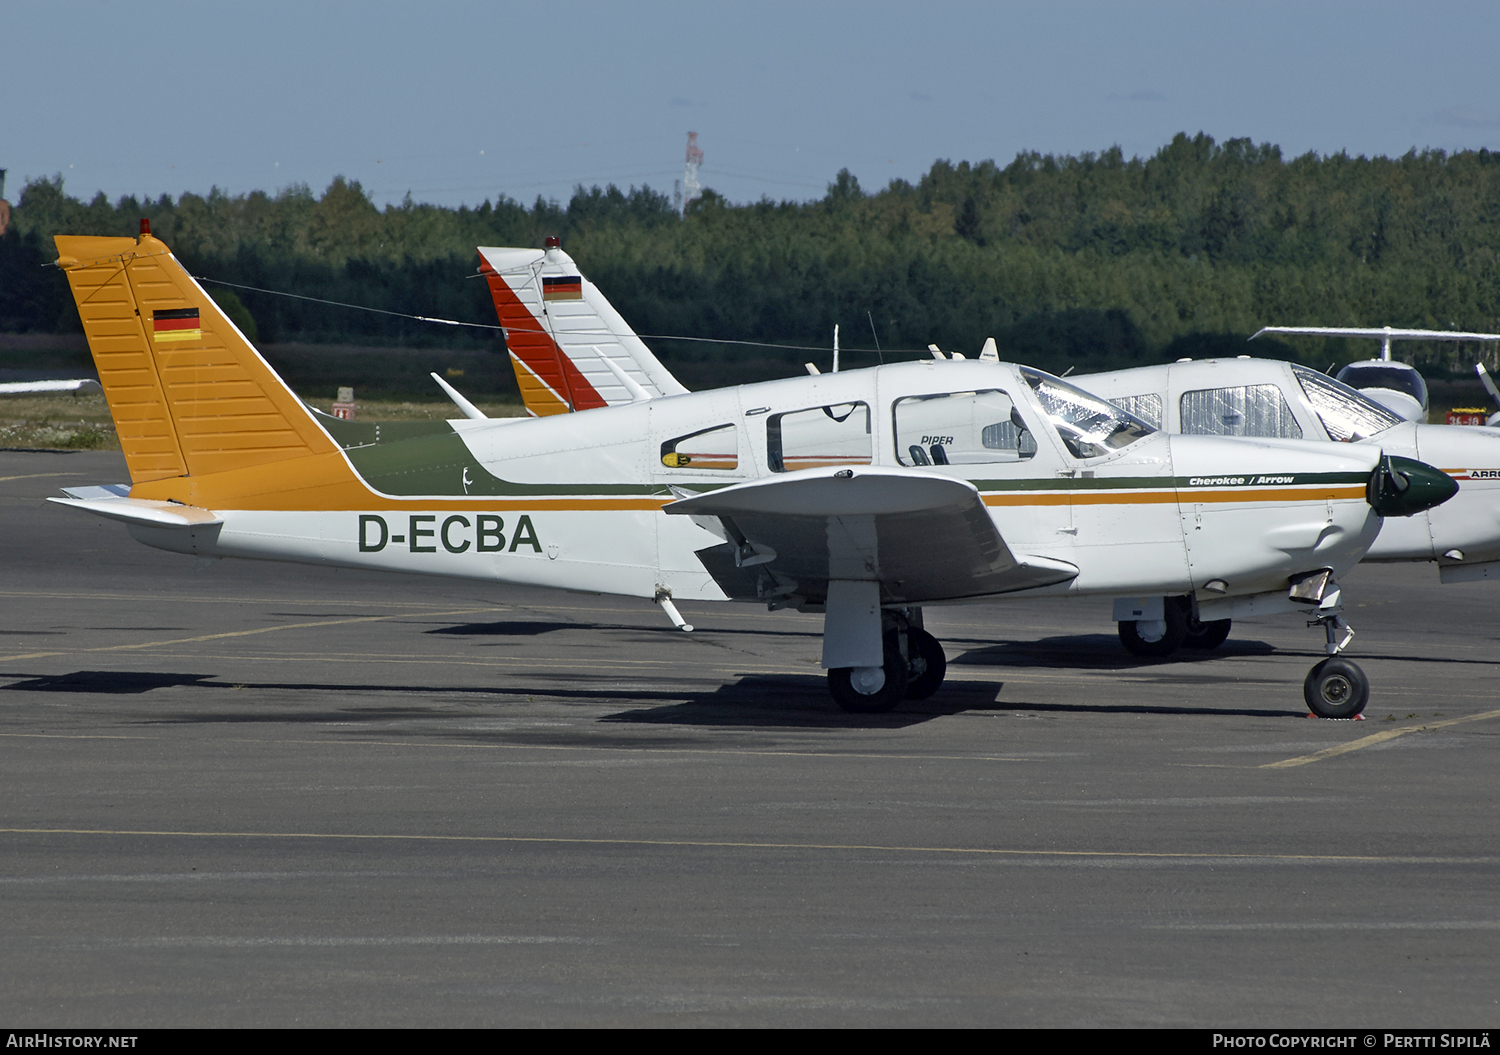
{"x": 1091, "y": 262}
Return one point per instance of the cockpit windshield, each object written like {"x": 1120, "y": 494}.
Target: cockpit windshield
{"x": 1345, "y": 413}
{"x": 1395, "y": 377}
{"x": 1088, "y": 426}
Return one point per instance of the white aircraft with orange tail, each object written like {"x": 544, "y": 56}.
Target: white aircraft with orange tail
{"x": 865, "y": 494}
{"x": 1258, "y": 399}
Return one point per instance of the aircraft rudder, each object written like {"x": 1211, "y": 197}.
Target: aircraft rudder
{"x": 189, "y": 394}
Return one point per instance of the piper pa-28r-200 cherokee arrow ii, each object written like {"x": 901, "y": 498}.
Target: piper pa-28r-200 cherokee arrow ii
{"x": 865, "y": 494}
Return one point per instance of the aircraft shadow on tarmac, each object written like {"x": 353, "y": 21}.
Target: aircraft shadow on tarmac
{"x": 112, "y": 682}
{"x": 753, "y": 700}
{"x": 510, "y": 628}
{"x": 763, "y": 700}
{"x": 531, "y": 628}
{"x": 802, "y": 701}
{"x": 1091, "y": 652}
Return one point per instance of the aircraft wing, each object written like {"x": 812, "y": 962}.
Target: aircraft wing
{"x": 16, "y": 388}
{"x": 923, "y": 536}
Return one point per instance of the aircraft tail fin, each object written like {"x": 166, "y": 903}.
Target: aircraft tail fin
{"x": 564, "y": 336}
{"x": 189, "y": 394}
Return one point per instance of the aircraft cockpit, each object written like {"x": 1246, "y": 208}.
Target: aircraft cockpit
{"x": 984, "y": 426}
{"x": 1088, "y": 426}
{"x": 1202, "y": 399}
{"x": 1346, "y": 413}
{"x": 960, "y": 428}
{"x": 1395, "y": 385}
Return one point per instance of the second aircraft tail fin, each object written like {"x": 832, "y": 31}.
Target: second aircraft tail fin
{"x": 560, "y": 330}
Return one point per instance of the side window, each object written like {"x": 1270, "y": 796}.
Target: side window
{"x": 1246, "y": 410}
{"x": 1147, "y": 407}
{"x": 808, "y": 439}
{"x": 960, "y": 428}
{"x": 711, "y": 449}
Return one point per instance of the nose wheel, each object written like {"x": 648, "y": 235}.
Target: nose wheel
{"x": 1336, "y": 688}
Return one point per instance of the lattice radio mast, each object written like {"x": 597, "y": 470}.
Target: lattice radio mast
{"x": 691, "y": 188}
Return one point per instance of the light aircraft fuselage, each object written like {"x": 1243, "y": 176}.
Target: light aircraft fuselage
{"x": 577, "y": 501}
{"x": 1270, "y": 398}
{"x": 864, "y": 494}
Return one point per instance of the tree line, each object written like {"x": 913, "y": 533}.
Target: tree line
{"x": 1092, "y": 261}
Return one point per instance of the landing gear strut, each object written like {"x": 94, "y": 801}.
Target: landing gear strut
{"x": 1334, "y": 688}
{"x": 1204, "y": 636}
{"x": 913, "y": 669}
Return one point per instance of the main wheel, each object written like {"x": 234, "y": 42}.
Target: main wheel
{"x": 1156, "y": 639}
{"x": 1336, "y": 688}
{"x": 871, "y": 690}
{"x": 1206, "y": 635}
{"x": 923, "y": 650}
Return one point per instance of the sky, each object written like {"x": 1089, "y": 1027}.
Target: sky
{"x": 456, "y": 103}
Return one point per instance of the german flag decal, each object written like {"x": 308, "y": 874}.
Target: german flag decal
{"x": 176, "y": 324}
{"x": 563, "y": 287}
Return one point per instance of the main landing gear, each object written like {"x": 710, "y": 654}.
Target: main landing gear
{"x": 1179, "y": 627}
{"x": 913, "y": 669}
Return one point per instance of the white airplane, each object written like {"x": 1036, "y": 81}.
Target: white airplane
{"x": 1271, "y": 399}
{"x": 1396, "y": 386}
{"x": 864, "y": 495}
{"x": 1262, "y": 399}
{"x": 20, "y": 388}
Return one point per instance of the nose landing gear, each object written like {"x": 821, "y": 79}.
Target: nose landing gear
{"x": 1334, "y": 688}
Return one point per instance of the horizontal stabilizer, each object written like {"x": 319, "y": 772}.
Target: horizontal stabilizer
{"x": 142, "y": 511}
{"x": 98, "y": 491}
{"x": 922, "y": 536}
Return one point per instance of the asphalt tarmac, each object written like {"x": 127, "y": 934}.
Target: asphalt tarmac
{"x": 244, "y": 794}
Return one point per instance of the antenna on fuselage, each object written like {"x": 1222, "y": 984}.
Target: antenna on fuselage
{"x": 636, "y": 392}
{"x": 835, "y": 347}
{"x": 471, "y": 412}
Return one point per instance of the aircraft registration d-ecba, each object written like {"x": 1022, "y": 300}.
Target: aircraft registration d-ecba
{"x": 865, "y": 494}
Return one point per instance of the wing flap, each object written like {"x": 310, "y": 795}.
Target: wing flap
{"x": 923, "y": 536}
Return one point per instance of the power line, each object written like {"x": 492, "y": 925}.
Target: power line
{"x": 519, "y": 329}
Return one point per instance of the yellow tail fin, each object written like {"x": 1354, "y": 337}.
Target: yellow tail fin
{"x": 189, "y": 394}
